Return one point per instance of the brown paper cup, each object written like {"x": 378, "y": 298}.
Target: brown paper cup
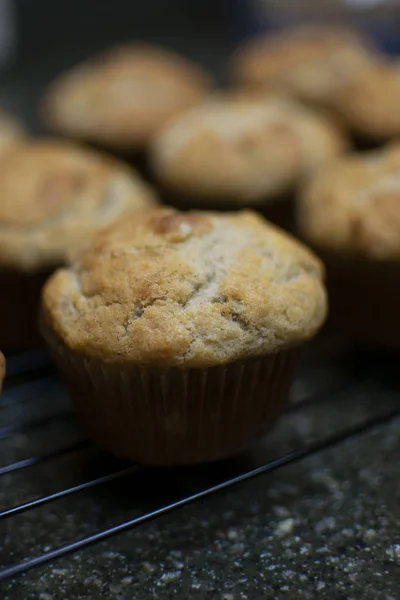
{"x": 172, "y": 416}
{"x": 364, "y": 299}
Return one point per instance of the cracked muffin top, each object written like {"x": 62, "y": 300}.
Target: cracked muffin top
{"x": 352, "y": 205}
{"x": 188, "y": 289}
{"x": 121, "y": 97}
{"x": 243, "y": 149}
{"x": 309, "y": 62}
{"x": 54, "y": 195}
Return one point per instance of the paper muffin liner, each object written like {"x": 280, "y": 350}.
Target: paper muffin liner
{"x": 364, "y": 300}
{"x": 173, "y": 416}
{"x": 19, "y": 303}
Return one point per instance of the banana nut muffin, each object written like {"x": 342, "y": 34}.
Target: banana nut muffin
{"x": 121, "y": 97}
{"x": 238, "y": 151}
{"x": 310, "y": 63}
{"x": 2, "y": 370}
{"x": 350, "y": 212}
{"x": 177, "y": 332}
{"x": 11, "y": 131}
{"x": 369, "y": 104}
{"x": 53, "y": 197}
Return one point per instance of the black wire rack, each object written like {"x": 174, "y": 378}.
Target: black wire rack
{"x": 331, "y": 383}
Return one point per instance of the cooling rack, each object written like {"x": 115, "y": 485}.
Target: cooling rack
{"x": 333, "y": 381}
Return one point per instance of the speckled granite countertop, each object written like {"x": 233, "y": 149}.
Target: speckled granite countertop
{"x": 327, "y": 526}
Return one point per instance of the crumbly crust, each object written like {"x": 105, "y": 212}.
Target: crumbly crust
{"x": 189, "y": 289}
{"x": 123, "y": 96}
{"x": 242, "y": 149}
{"x": 311, "y": 63}
{"x": 2, "y": 370}
{"x": 11, "y": 131}
{"x": 54, "y": 195}
{"x": 370, "y": 103}
{"x": 352, "y": 205}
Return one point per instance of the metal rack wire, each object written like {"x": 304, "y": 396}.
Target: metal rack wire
{"x": 26, "y": 372}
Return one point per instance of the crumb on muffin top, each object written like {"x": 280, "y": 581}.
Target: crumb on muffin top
{"x": 187, "y": 289}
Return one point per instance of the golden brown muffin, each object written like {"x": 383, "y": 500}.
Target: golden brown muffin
{"x": 350, "y": 212}
{"x": 310, "y": 63}
{"x": 176, "y": 332}
{"x": 238, "y": 151}
{"x": 2, "y": 370}
{"x": 122, "y": 97}
{"x": 54, "y": 196}
{"x": 11, "y": 131}
{"x": 369, "y": 104}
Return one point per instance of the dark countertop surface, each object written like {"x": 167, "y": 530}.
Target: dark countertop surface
{"x": 326, "y": 526}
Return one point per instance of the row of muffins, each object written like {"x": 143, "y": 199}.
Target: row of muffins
{"x": 177, "y": 332}
{"x": 120, "y": 99}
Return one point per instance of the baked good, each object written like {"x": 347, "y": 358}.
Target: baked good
{"x": 121, "y": 97}
{"x": 54, "y": 196}
{"x": 176, "y": 333}
{"x": 2, "y": 370}
{"x": 350, "y": 212}
{"x": 11, "y": 131}
{"x": 238, "y": 151}
{"x": 369, "y": 104}
{"x": 310, "y": 63}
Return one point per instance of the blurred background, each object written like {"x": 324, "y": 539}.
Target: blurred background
{"x": 54, "y": 34}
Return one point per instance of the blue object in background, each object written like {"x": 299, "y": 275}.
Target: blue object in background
{"x": 379, "y": 18}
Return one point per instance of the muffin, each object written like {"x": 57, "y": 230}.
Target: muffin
{"x": 350, "y": 213}
{"x": 309, "y": 63}
{"x": 239, "y": 151}
{"x": 11, "y": 131}
{"x": 122, "y": 97}
{"x": 2, "y": 370}
{"x": 177, "y": 333}
{"x": 53, "y": 197}
{"x": 369, "y": 105}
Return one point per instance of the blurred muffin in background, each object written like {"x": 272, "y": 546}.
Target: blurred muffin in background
{"x": 11, "y": 131}
{"x": 119, "y": 99}
{"x": 350, "y": 213}
{"x": 53, "y": 197}
{"x": 236, "y": 151}
{"x": 2, "y": 370}
{"x": 311, "y": 63}
{"x": 369, "y": 104}
{"x": 177, "y": 333}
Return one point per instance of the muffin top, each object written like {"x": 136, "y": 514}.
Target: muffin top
{"x": 2, "y": 370}
{"x": 370, "y": 103}
{"x": 310, "y": 63}
{"x": 187, "y": 288}
{"x": 11, "y": 131}
{"x": 242, "y": 149}
{"x": 352, "y": 206}
{"x": 54, "y": 195}
{"x": 122, "y": 97}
